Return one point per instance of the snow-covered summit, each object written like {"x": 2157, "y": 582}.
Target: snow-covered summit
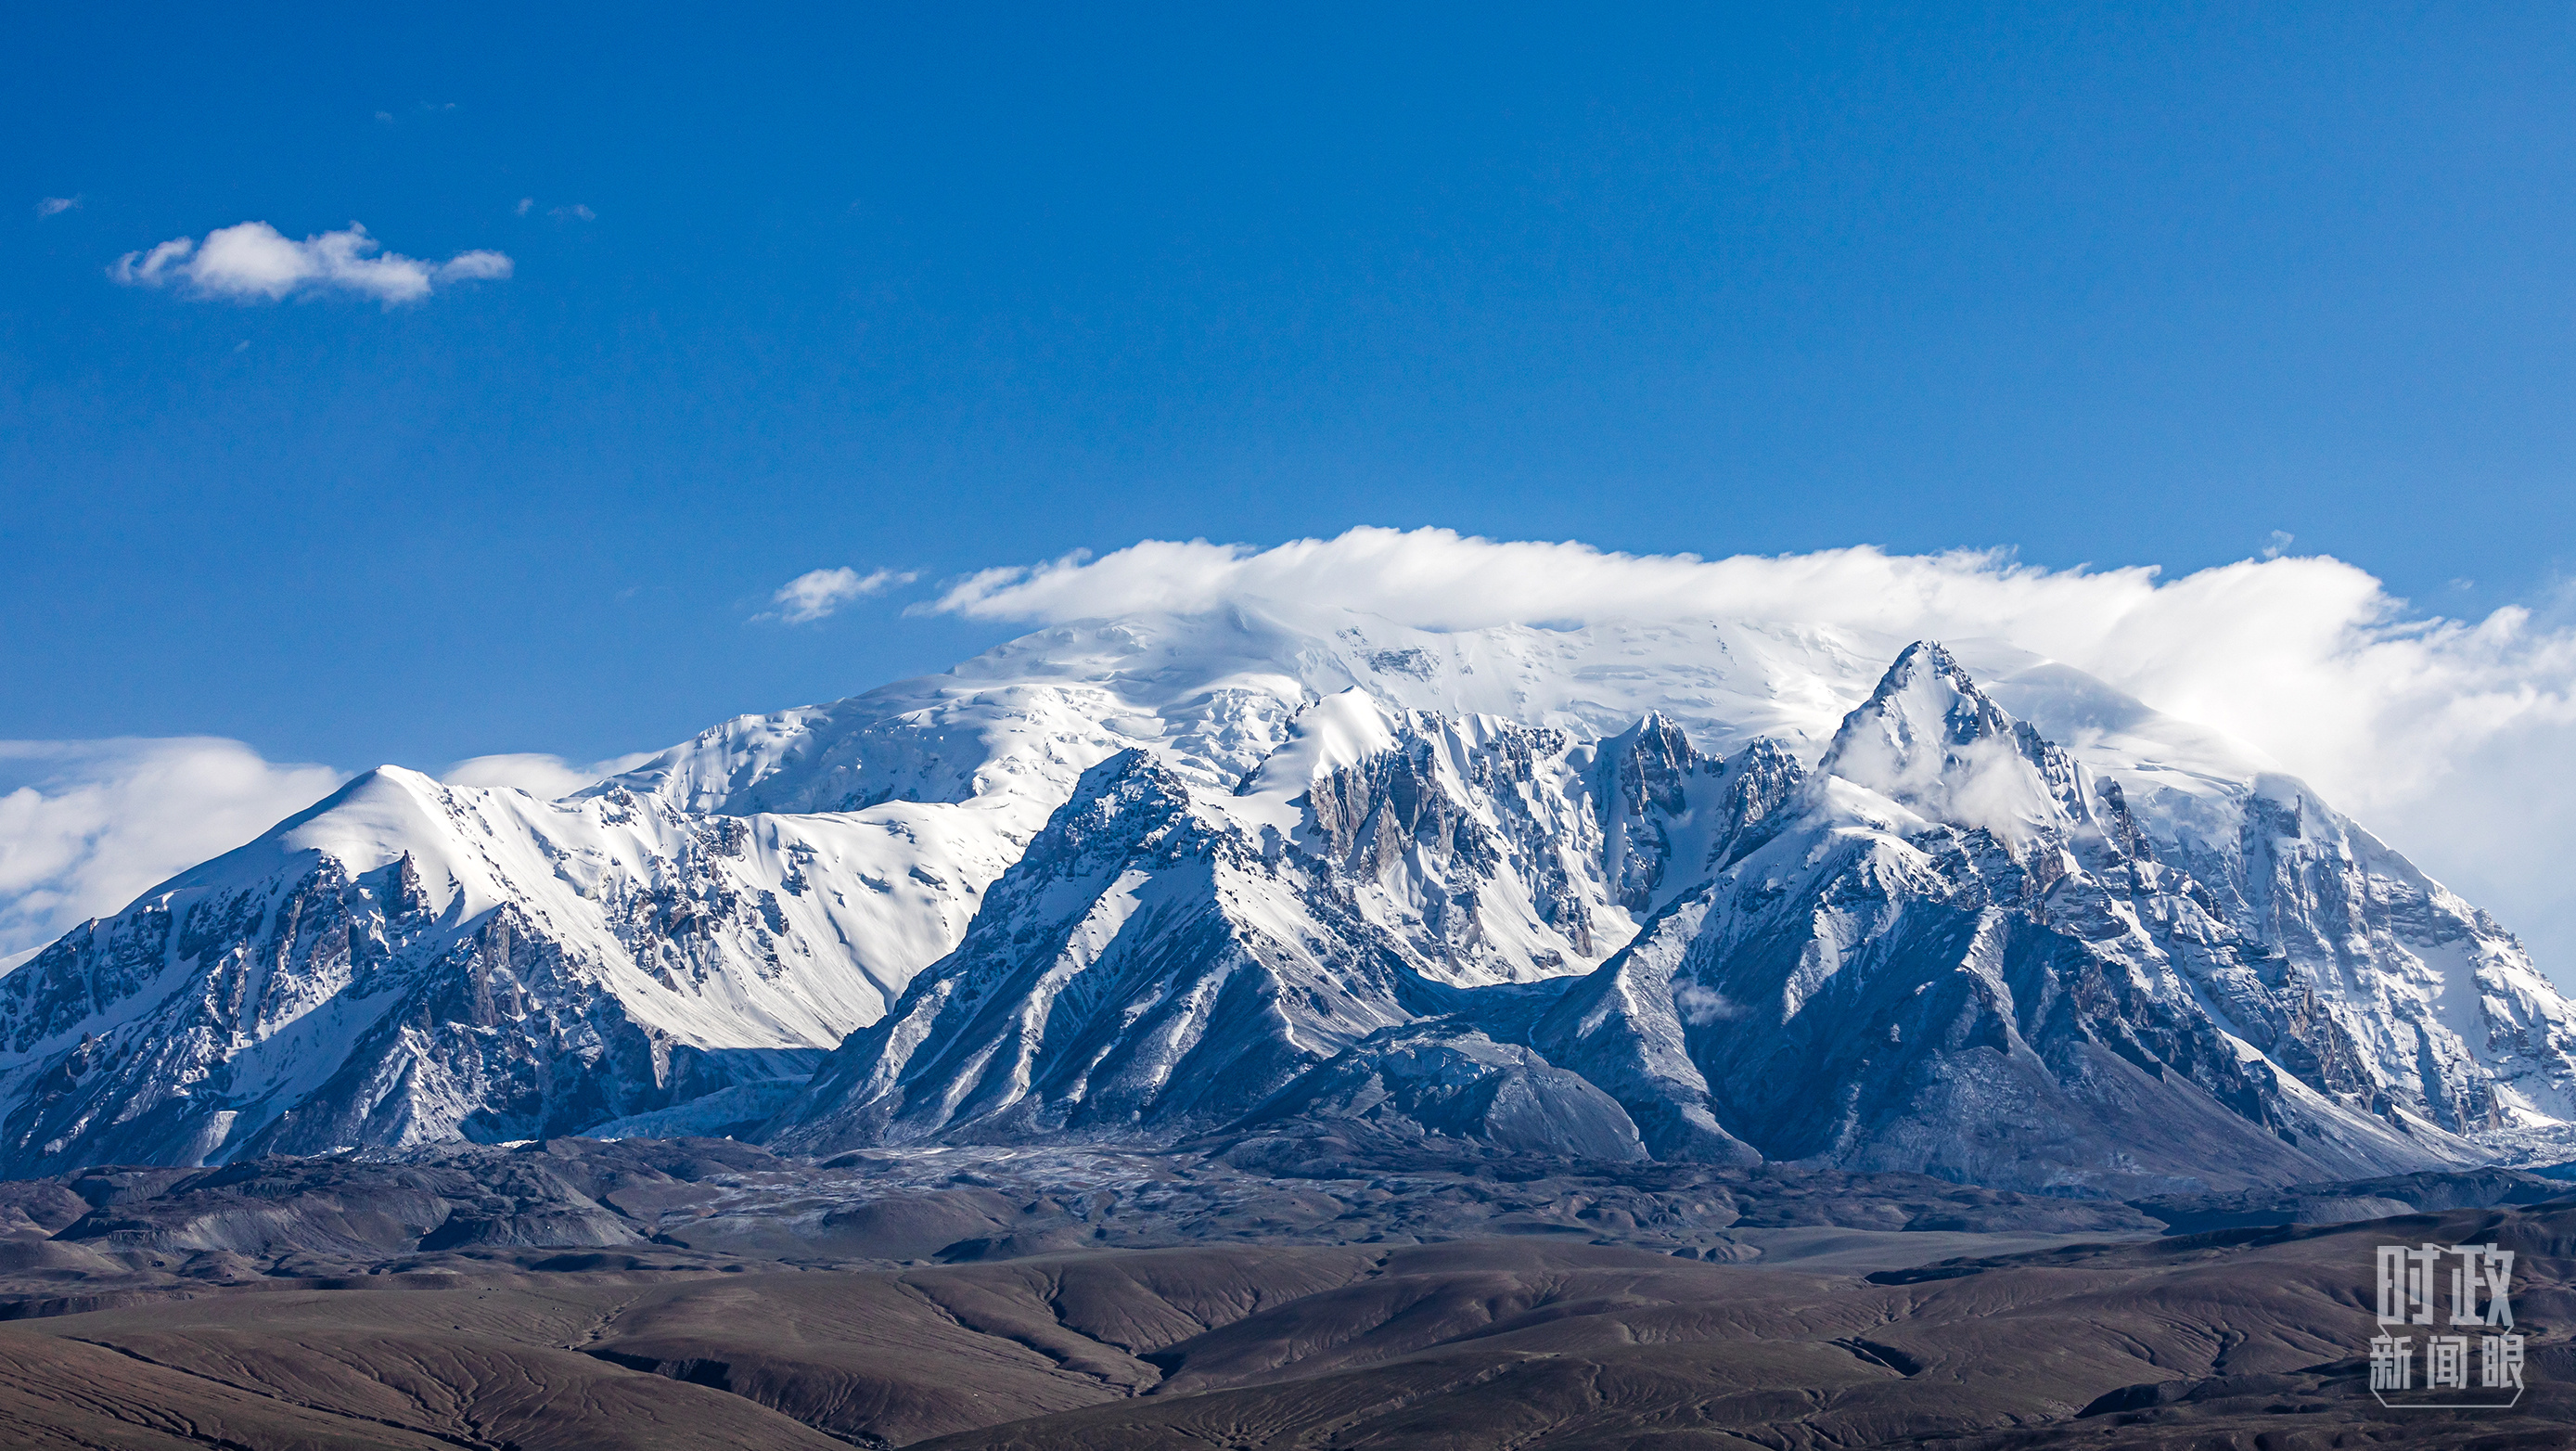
{"x": 1929, "y": 740}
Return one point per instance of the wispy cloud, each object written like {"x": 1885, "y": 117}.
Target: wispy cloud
{"x": 522, "y": 209}
{"x": 254, "y": 262}
{"x": 87, "y": 826}
{"x": 574, "y": 213}
{"x": 538, "y": 774}
{"x": 55, "y": 206}
{"x": 2449, "y": 737}
{"x": 815, "y": 594}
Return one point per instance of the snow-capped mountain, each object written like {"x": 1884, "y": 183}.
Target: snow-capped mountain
{"x": 1147, "y": 964}
{"x": 1765, "y": 894}
{"x": 1959, "y": 954}
{"x": 1163, "y": 957}
{"x": 408, "y": 961}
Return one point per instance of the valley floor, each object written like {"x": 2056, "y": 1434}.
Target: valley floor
{"x": 700, "y": 1293}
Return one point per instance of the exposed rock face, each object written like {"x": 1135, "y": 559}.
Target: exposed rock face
{"x": 1646, "y": 776}
{"x": 1144, "y": 968}
{"x": 1445, "y": 827}
{"x": 2371, "y": 981}
{"x": 1486, "y": 844}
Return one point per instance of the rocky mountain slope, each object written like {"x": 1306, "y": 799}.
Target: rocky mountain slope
{"x": 1720, "y": 892}
{"x": 1957, "y": 953}
{"x": 410, "y": 962}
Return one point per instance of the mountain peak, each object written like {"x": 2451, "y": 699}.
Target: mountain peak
{"x": 1928, "y": 739}
{"x": 1927, "y": 683}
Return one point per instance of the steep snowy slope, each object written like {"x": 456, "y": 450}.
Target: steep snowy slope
{"x": 408, "y": 961}
{"x": 2438, "y": 1000}
{"x": 1149, "y": 965}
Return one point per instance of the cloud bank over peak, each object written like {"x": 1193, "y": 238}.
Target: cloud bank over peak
{"x": 2308, "y": 658}
{"x": 2444, "y": 734}
{"x": 254, "y": 262}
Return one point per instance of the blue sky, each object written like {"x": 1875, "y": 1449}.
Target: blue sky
{"x": 935, "y": 288}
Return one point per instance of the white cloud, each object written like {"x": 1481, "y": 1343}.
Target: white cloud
{"x": 88, "y": 826}
{"x": 525, "y": 203}
{"x": 549, "y": 777}
{"x": 574, "y": 213}
{"x": 2447, "y": 736}
{"x": 817, "y": 593}
{"x": 254, "y": 262}
{"x": 55, "y": 206}
{"x": 1701, "y": 1006}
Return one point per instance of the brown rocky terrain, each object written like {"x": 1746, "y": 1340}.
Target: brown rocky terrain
{"x": 1268, "y": 1294}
